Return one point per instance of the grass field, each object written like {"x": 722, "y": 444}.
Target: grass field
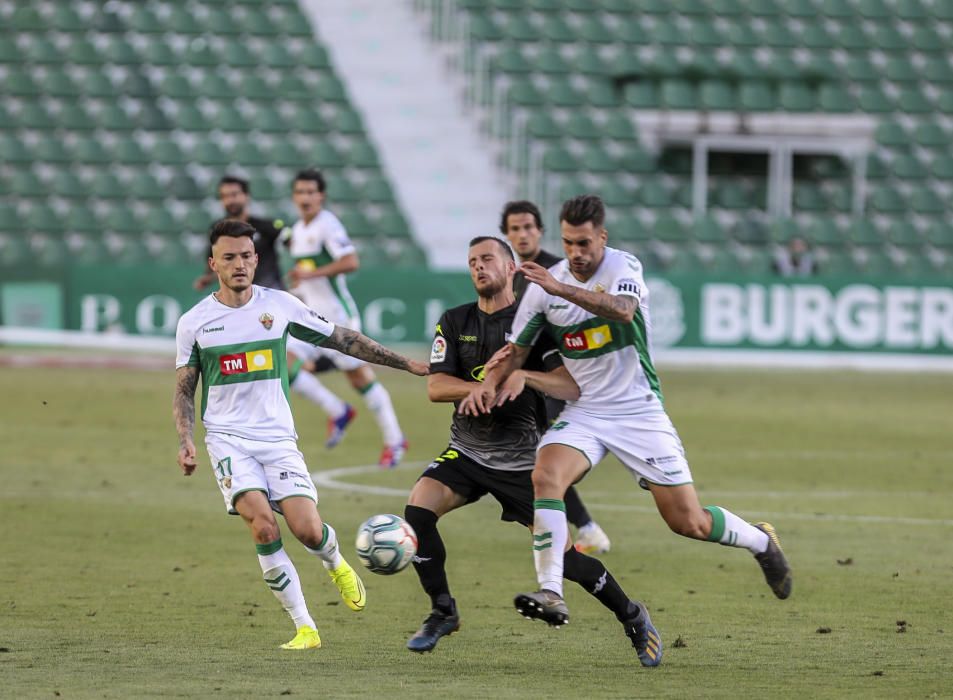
{"x": 121, "y": 578}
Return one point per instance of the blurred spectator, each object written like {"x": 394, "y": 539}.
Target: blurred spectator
{"x": 795, "y": 259}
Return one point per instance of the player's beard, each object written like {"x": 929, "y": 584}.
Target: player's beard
{"x": 491, "y": 288}
{"x": 234, "y": 211}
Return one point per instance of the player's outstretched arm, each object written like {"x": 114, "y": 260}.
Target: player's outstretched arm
{"x": 358, "y": 345}
{"x": 612, "y": 307}
{"x": 183, "y": 410}
{"x": 443, "y": 387}
{"x": 557, "y": 383}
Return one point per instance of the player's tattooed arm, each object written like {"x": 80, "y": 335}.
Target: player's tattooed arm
{"x": 358, "y": 345}
{"x": 183, "y": 410}
{"x": 608, "y": 306}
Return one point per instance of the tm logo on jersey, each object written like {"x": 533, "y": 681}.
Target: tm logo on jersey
{"x": 241, "y": 363}
{"x": 589, "y": 339}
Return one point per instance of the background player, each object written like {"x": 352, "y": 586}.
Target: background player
{"x": 495, "y": 453}
{"x": 234, "y": 339}
{"x": 604, "y": 335}
{"x": 235, "y": 195}
{"x": 323, "y": 255}
{"x": 522, "y": 224}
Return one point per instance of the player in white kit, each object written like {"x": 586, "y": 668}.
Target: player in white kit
{"x": 235, "y": 340}
{"x": 595, "y": 305}
{"x": 323, "y": 255}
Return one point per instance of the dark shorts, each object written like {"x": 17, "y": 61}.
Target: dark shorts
{"x": 513, "y": 490}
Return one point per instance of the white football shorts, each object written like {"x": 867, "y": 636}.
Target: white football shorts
{"x": 275, "y": 468}
{"x": 647, "y": 444}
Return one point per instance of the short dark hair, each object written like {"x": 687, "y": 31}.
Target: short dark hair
{"x": 234, "y": 180}
{"x": 585, "y": 207}
{"x": 233, "y": 228}
{"x": 480, "y": 239}
{"x": 521, "y": 206}
{"x": 314, "y": 175}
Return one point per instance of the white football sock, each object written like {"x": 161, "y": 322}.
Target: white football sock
{"x": 378, "y": 400}
{"x": 312, "y": 389}
{"x": 282, "y": 578}
{"x": 329, "y": 553}
{"x": 730, "y": 530}
{"x": 550, "y": 534}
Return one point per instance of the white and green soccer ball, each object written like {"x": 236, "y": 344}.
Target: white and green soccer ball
{"x": 386, "y": 543}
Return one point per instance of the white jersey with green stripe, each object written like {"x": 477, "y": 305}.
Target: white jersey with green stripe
{"x": 611, "y": 361}
{"x": 240, "y": 353}
{"x": 319, "y": 242}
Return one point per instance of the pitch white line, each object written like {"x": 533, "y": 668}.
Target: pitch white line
{"x": 329, "y": 478}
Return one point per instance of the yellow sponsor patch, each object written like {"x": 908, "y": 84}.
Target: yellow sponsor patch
{"x": 598, "y": 337}
{"x": 259, "y": 360}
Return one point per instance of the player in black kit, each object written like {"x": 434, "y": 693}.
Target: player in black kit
{"x": 522, "y": 224}
{"x": 494, "y": 454}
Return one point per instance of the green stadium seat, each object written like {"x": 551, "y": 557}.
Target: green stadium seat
{"x": 796, "y": 97}
{"x": 937, "y": 69}
{"x": 158, "y": 53}
{"x": 144, "y": 186}
{"x": 669, "y": 229}
{"x": 629, "y": 30}
{"x": 256, "y": 22}
{"x": 887, "y": 200}
{"x": 52, "y": 150}
{"x": 598, "y": 160}
{"x": 342, "y": 190}
{"x": 275, "y": 55}
{"x": 832, "y": 97}
{"x": 717, "y": 95}
{"x": 65, "y": 19}
{"x": 541, "y": 125}
{"x": 593, "y": 29}
{"x": 199, "y": 53}
{"x": 809, "y": 197}
{"x": 510, "y": 59}
{"x": 167, "y": 152}
{"x": 654, "y": 195}
{"x": 208, "y": 152}
{"x": 904, "y": 234}
{"x": 34, "y": 115}
{"x": 324, "y": 156}
{"x": 27, "y": 18}
{"x": 549, "y": 60}
{"x": 561, "y": 93}
{"x": 284, "y": 154}
{"x": 482, "y": 28}
{"x": 558, "y": 159}
{"x": 756, "y": 96}
{"x": 391, "y": 222}
{"x": 362, "y": 154}
{"x": 377, "y": 190}
{"x": 348, "y": 121}
{"x": 121, "y": 52}
{"x": 677, "y": 94}
{"x": 641, "y": 94}
{"x": 615, "y": 194}
{"x": 913, "y": 101}
{"x": 741, "y": 34}
{"x": 930, "y": 135}
{"x": 556, "y": 29}
{"x": 83, "y": 219}
{"x": 581, "y": 126}
{"x": 619, "y": 127}
{"x": 888, "y": 38}
{"x": 356, "y": 223}
{"x": 238, "y": 55}
{"x": 42, "y": 219}
{"x": 907, "y": 167}
{"x": 826, "y": 233}
{"x": 314, "y": 56}
{"x": 601, "y": 94}
{"x": 925, "y": 201}
{"x": 872, "y": 100}
{"x": 942, "y": 167}
{"x": 940, "y": 234}
{"x": 891, "y": 134}
{"x": 863, "y": 232}
{"x": 25, "y": 184}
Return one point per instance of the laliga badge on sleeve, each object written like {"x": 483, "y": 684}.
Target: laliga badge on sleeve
{"x": 439, "y": 350}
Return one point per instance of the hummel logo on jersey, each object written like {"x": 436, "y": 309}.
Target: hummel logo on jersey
{"x": 241, "y": 363}
{"x": 589, "y": 339}
{"x": 213, "y": 330}
{"x": 559, "y": 426}
{"x": 559, "y": 306}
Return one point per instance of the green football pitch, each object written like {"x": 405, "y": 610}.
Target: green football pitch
{"x": 120, "y": 578}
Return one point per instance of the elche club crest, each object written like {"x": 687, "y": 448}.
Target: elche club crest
{"x": 267, "y": 320}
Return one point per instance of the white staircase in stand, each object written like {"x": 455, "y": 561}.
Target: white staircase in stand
{"x": 441, "y": 170}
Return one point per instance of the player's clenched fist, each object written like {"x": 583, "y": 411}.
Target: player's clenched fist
{"x": 187, "y": 458}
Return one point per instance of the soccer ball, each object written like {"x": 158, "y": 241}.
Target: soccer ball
{"x": 386, "y": 543}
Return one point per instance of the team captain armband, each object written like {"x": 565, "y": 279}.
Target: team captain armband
{"x": 628, "y": 286}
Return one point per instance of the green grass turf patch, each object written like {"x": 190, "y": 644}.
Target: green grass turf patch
{"x": 121, "y": 578}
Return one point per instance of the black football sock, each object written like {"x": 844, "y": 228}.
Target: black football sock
{"x": 576, "y": 512}
{"x": 591, "y": 574}
{"x": 431, "y": 557}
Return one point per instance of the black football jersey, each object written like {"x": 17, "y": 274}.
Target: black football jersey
{"x": 506, "y": 438}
